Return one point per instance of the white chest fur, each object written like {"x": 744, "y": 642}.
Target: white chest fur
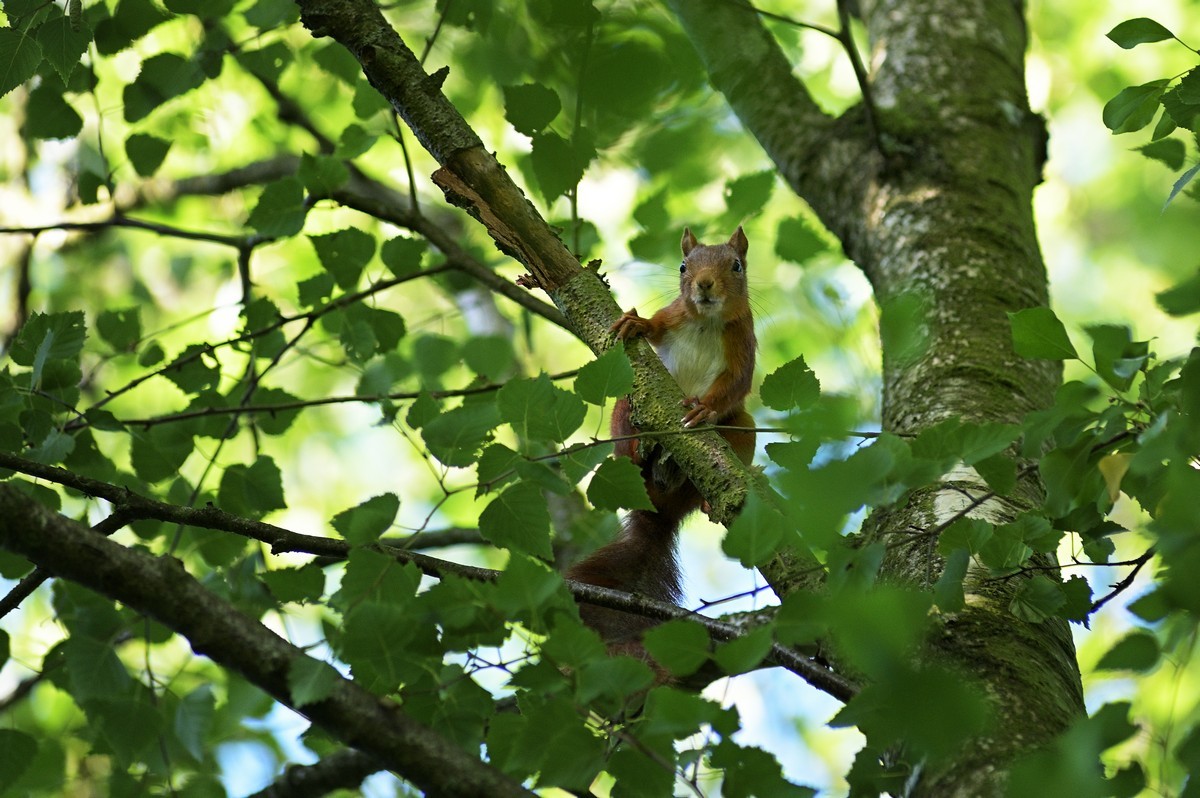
{"x": 694, "y": 353}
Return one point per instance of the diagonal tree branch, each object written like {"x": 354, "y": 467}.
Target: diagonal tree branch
{"x": 471, "y": 176}
{"x": 162, "y": 589}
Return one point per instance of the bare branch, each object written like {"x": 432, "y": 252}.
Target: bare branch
{"x": 343, "y": 770}
{"x": 162, "y": 589}
{"x": 284, "y": 540}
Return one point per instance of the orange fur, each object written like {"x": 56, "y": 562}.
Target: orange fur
{"x": 705, "y": 337}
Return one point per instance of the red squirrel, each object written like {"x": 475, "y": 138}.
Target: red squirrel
{"x": 705, "y": 338}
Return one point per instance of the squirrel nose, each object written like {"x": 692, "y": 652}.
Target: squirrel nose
{"x": 705, "y": 284}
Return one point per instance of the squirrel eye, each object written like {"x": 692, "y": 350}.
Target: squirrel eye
{"x": 737, "y": 265}
{"x": 683, "y": 267}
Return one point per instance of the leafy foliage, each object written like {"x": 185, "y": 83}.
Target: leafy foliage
{"x": 247, "y": 336}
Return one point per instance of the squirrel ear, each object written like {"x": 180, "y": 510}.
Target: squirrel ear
{"x": 739, "y": 243}
{"x": 689, "y": 241}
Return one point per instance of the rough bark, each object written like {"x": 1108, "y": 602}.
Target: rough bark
{"x": 163, "y": 590}
{"x": 937, "y": 213}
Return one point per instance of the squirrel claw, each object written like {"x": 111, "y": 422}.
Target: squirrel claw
{"x": 698, "y": 414}
{"x": 630, "y": 325}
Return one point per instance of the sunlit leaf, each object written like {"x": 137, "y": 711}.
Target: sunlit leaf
{"x": 617, "y": 484}
{"x": 1037, "y": 333}
{"x": 1133, "y": 32}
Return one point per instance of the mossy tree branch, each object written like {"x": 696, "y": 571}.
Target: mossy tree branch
{"x": 472, "y": 177}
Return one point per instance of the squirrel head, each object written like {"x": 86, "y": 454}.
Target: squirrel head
{"x": 712, "y": 278}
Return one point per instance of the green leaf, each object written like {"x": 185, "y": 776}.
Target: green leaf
{"x": 792, "y": 385}
{"x": 94, "y": 671}
{"x": 367, "y": 101}
{"x": 948, "y": 591}
{"x": 434, "y": 355}
{"x": 364, "y": 524}
{"x": 1117, "y": 356}
{"x": 744, "y": 653}
{"x": 1137, "y": 651}
{"x": 1037, "y": 333}
{"x": 163, "y": 77}
{"x": 1132, "y": 32}
{"x": 339, "y": 62}
{"x": 755, "y": 534}
{"x": 456, "y": 436}
{"x": 253, "y": 490}
{"x": 559, "y": 164}
{"x": 122, "y": 329}
{"x": 322, "y": 174}
{"x": 372, "y": 576}
{"x": 310, "y": 680}
{"x": 797, "y": 241}
{"x": 618, "y": 483}
{"x": 159, "y": 452}
{"x": 681, "y": 646}
{"x": 20, "y": 56}
{"x": 402, "y": 256}
{"x": 273, "y": 422}
{"x": 524, "y": 587}
{"x": 49, "y": 115}
{"x": 745, "y": 196}
{"x": 932, "y": 710}
{"x": 345, "y": 254}
{"x": 267, "y": 62}
{"x": 366, "y": 331}
{"x": 49, "y": 336}
{"x": 131, "y": 20}
{"x": 530, "y": 107}
{"x": 999, "y": 472}
{"x": 518, "y": 519}
{"x": 538, "y": 410}
{"x": 61, "y": 44}
{"x": 1134, "y": 107}
{"x": 1067, "y": 765}
{"x": 17, "y": 749}
{"x": 191, "y": 373}
{"x": 373, "y": 644}
{"x": 1181, "y": 183}
{"x": 1037, "y": 598}
{"x": 210, "y": 9}
{"x": 571, "y": 644}
{"x": 355, "y": 141}
{"x": 680, "y": 714}
{"x": 146, "y": 153}
{"x": 489, "y": 356}
{"x": 303, "y": 585}
{"x": 1181, "y": 299}
{"x": 280, "y": 209}
{"x": 613, "y": 677}
{"x": 609, "y": 375}
{"x": 194, "y": 721}
{"x": 1170, "y": 152}
{"x": 750, "y": 771}
{"x": 951, "y": 440}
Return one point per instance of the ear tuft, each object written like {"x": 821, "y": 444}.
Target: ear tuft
{"x": 739, "y": 243}
{"x": 689, "y": 241}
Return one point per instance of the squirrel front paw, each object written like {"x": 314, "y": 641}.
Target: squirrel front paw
{"x": 698, "y": 413}
{"x": 630, "y": 325}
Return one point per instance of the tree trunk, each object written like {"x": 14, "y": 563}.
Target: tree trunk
{"x": 936, "y": 211}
